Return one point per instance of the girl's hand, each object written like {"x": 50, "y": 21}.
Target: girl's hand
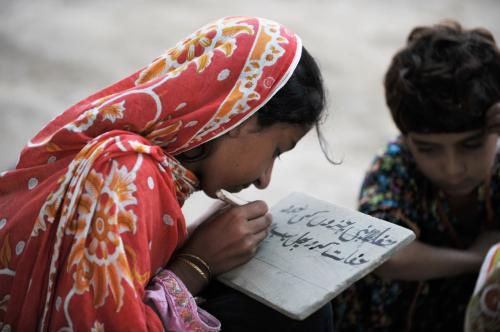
{"x": 231, "y": 237}
{"x": 493, "y": 119}
{"x": 209, "y": 214}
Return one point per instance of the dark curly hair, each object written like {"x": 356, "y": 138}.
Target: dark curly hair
{"x": 444, "y": 80}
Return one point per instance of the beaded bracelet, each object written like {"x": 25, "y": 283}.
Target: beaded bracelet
{"x": 200, "y": 260}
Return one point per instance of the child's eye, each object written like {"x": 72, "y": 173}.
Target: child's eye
{"x": 426, "y": 149}
{"x": 472, "y": 145}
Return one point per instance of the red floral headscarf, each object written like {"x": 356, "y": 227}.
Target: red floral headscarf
{"x": 92, "y": 209}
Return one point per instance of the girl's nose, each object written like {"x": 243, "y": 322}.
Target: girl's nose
{"x": 263, "y": 181}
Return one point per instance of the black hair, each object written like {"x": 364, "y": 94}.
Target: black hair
{"x": 301, "y": 101}
{"x": 444, "y": 80}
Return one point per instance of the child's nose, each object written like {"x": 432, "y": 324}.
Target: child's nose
{"x": 263, "y": 181}
{"x": 454, "y": 166}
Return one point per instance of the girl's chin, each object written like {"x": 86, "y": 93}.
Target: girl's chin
{"x": 210, "y": 192}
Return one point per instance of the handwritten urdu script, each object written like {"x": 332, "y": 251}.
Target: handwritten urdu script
{"x": 314, "y": 250}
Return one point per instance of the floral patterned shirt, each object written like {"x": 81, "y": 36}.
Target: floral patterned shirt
{"x": 395, "y": 190}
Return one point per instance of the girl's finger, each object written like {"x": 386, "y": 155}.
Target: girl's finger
{"x": 260, "y": 224}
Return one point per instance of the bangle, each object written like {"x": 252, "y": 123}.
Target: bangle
{"x": 198, "y": 259}
{"x": 195, "y": 267}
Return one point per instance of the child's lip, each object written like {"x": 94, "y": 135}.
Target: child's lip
{"x": 457, "y": 188}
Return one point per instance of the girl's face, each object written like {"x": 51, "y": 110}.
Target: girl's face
{"x": 246, "y": 156}
{"x": 456, "y": 163}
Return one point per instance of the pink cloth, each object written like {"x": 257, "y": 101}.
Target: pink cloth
{"x": 176, "y": 307}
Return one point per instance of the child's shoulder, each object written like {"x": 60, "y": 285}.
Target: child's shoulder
{"x": 394, "y": 157}
{"x": 495, "y": 173}
{"x": 396, "y": 148}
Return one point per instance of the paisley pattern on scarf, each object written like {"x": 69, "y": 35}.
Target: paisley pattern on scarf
{"x": 93, "y": 209}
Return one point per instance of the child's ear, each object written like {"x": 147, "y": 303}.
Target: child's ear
{"x": 406, "y": 140}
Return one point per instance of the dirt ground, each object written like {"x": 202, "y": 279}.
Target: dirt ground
{"x": 54, "y": 53}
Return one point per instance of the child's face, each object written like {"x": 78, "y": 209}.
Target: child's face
{"x": 457, "y": 163}
{"x": 246, "y": 156}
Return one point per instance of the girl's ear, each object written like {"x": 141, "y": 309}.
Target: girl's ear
{"x": 197, "y": 154}
{"x": 249, "y": 126}
{"x": 235, "y": 132}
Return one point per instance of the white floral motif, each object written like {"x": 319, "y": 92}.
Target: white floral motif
{"x": 251, "y": 75}
{"x": 224, "y": 74}
{"x": 180, "y": 106}
{"x": 86, "y": 119}
{"x": 197, "y": 48}
{"x": 113, "y": 112}
{"x": 151, "y": 183}
{"x": 32, "y": 183}
{"x": 167, "y": 220}
{"x": 191, "y": 124}
{"x": 98, "y": 327}
{"x": 139, "y": 147}
{"x": 20, "y": 247}
{"x": 3, "y": 303}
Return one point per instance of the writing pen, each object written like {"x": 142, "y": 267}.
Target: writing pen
{"x": 229, "y": 198}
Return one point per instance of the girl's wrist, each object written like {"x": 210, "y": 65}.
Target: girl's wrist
{"x": 189, "y": 275}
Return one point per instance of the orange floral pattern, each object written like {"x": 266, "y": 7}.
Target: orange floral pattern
{"x": 98, "y": 251}
{"x": 107, "y": 112}
{"x": 198, "y": 49}
{"x": 93, "y": 209}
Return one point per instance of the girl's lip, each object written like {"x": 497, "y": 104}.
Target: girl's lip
{"x": 236, "y": 189}
{"x": 240, "y": 188}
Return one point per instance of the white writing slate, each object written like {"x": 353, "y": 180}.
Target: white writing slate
{"x": 314, "y": 250}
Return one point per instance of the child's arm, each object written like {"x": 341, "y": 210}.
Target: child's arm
{"x": 420, "y": 261}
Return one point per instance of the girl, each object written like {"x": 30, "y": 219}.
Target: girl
{"x": 92, "y": 234}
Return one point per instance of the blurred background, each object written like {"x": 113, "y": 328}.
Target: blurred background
{"x": 54, "y": 53}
